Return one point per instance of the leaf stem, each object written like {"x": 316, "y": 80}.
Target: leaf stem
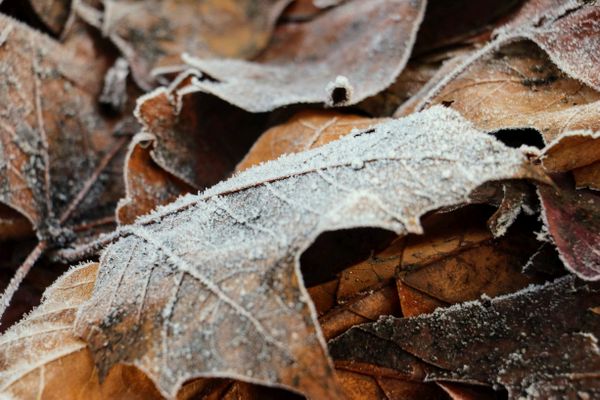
{"x": 21, "y": 273}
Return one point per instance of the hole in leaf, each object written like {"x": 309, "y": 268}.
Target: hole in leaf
{"x": 333, "y": 251}
{"x": 518, "y": 137}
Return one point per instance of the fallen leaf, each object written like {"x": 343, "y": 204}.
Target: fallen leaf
{"x": 40, "y": 353}
{"x": 518, "y": 87}
{"x": 316, "y": 62}
{"x": 572, "y": 218}
{"x": 490, "y": 268}
{"x": 225, "y": 262}
{"x": 540, "y": 337}
{"x": 55, "y": 144}
{"x": 372, "y": 368}
{"x": 188, "y": 142}
{"x": 588, "y": 176}
{"x": 577, "y": 151}
{"x": 361, "y": 309}
{"x": 304, "y": 130}
{"x": 153, "y": 34}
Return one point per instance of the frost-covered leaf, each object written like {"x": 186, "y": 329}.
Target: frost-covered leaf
{"x": 41, "y": 358}
{"x": 147, "y": 185}
{"x": 579, "y": 152}
{"x": 538, "y": 343}
{"x": 519, "y": 87}
{"x": 53, "y": 139}
{"x": 344, "y": 55}
{"x": 303, "y": 131}
{"x": 572, "y": 217}
{"x": 569, "y": 33}
{"x": 188, "y": 142}
{"x": 154, "y": 33}
{"x": 210, "y": 285}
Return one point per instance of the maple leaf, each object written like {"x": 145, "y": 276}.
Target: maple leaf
{"x": 55, "y": 146}
{"x": 300, "y": 67}
{"x": 234, "y": 251}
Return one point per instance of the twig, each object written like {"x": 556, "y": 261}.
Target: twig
{"x": 22, "y": 271}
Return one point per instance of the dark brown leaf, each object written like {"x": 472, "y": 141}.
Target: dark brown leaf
{"x": 541, "y": 337}
{"x": 572, "y": 218}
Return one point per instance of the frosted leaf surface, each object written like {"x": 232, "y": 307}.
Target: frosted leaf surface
{"x": 52, "y": 135}
{"x": 300, "y": 66}
{"x": 542, "y": 336}
{"x": 152, "y": 34}
{"x": 40, "y": 357}
{"x": 210, "y": 284}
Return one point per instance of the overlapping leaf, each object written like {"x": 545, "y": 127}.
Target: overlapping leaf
{"x": 224, "y": 263}
{"x": 153, "y": 34}
{"x": 316, "y": 62}
{"x": 538, "y": 343}
{"x": 52, "y": 135}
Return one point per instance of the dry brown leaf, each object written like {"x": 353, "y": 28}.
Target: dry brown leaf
{"x": 188, "y": 142}
{"x": 538, "y": 343}
{"x": 361, "y": 309}
{"x": 41, "y": 358}
{"x": 519, "y": 87}
{"x": 147, "y": 184}
{"x": 577, "y": 151}
{"x": 305, "y": 130}
{"x": 414, "y": 302}
{"x": 231, "y": 253}
{"x": 491, "y": 268}
{"x": 341, "y": 57}
{"x": 572, "y": 218}
{"x": 54, "y": 142}
{"x": 54, "y": 13}
{"x": 588, "y": 176}
{"x": 153, "y": 34}
{"x": 384, "y": 369}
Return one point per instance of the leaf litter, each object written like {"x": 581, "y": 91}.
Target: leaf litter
{"x": 234, "y": 249}
{"x": 204, "y": 297}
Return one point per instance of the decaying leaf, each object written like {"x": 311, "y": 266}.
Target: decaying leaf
{"x": 370, "y": 367}
{"x": 147, "y": 184}
{"x": 538, "y": 342}
{"x": 225, "y": 263}
{"x": 54, "y": 143}
{"x": 153, "y": 34}
{"x": 316, "y": 62}
{"x": 572, "y": 217}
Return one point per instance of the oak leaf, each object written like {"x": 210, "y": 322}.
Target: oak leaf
{"x": 210, "y": 285}
{"x": 518, "y": 87}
